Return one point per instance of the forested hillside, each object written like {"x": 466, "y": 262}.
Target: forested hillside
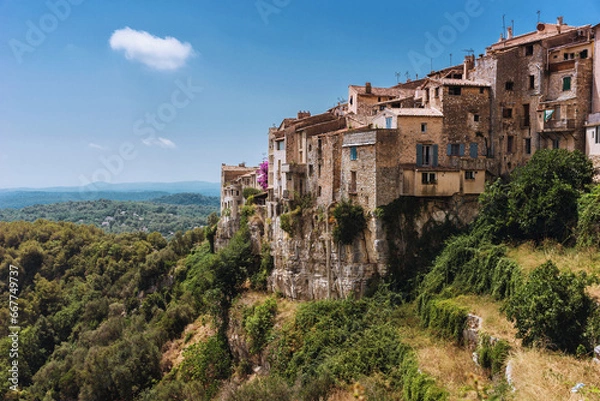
{"x": 166, "y": 214}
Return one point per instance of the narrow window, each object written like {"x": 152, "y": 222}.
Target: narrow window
{"x": 310, "y": 170}
{"x": 526, "y": 117}
{"x": 476, "y": 118}
{"x": 454, "y": 90}
{"x": 388, "y": 122}
{"x": 529, "y": 50}
{"x": 566, "y": 83}
{"x": 556, "y": 143}
{"x": 528, "y": 146}
{"x": 597, "y": 135}
{"x": 509, "y": 144}
{"x": 481, "y": 90}
{"x": 319, "y": 171}
{"x": 507, "y": 112}
{"x": 353, "y": 153}
{"x": 423, "y": 127}
{"x": 509, "y": 86}
{"x": 437, "y": 92}
{"x": 532, "y": 82}
{"x": 352, "y": 188}
{"x": 319, "y": 191}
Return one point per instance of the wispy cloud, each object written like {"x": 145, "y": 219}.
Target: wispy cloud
{"x": 162, "y": 142}
{"x": 96, "y": 146}
{"x": 159, "y": 53}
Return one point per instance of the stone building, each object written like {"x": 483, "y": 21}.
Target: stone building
{"x": 541, "y": 84}
{"x": 593, "y": 120}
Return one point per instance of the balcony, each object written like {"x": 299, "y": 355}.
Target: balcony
{"x": 293, "y": 168}
{"x": 558, "y": 125}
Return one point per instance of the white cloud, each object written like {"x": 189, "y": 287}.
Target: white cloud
{"x": 96, "y": 146}
{"x": 162, "y": 142}
{"x": 159, "y": 53}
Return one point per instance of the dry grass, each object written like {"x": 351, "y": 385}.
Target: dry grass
{"x": 529, "y": 257}
{"x": 494, "y": 321}
{"x": 542, "y": 375}
{"x": 199, "y": 330}
{"x": 451, "y": 366}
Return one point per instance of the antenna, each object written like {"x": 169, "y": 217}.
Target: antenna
{"x": 503, "y": 24}
{"x": 450, "y": 59}
{"x": 398, "y": 77}
{"x": 407, "y": 75}
{"x": 539, "y": 14}
{"x": 512, "y": 23}
{"x": 431, "y": 60}
{"x": 470, "y": 52}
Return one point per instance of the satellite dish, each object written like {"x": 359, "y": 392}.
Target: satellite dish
{"x": 541, "y": 27}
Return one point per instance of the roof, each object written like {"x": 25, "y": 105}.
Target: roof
{"x": 461, "y": 82}
{"x": 394, "y": 91}
{"x": 561, "y": 98}
{"x": 544, "y": 31}
{"x": 413, "y": 112}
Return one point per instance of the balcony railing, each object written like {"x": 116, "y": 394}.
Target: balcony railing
{"x": 559, "y": 124}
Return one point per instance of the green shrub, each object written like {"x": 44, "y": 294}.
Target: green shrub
{"x": 492, "y": 354}
{"x": 250, "y": 191}
{"x": 588, "y": 224}
{"x": 350, "y": 220}
{"x": 258, "y": 281}
{"x": 258, "y": 321}
{"x": 444, "y": 316}
{"x": 551, "y": 308}
{"x": 208, "y": 363}
{"x": 271, "y": 387}
{"x": 290, "y": 221}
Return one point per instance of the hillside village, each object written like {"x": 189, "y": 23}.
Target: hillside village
{"x": 437, "y": 140}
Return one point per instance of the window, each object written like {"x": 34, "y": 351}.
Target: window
{"x": 353, "y": 153}
{"x": 437, "y": 92}
{"x": 507, "y": 112}
{"x": 319, "y": 171}
{"x": 526, "y": 117}
{"x": 473, "y": 150}
{"x": 510, "y": 144}
{"x": 454, "y": 149}
{"x": 509, "y": 86}
{"x": 388, "y": 122}
{"x": 532, "y": 82}
{"x": 427, "y": 155}
{"x": 476, "y": 118}
{"x": 319, "y": 191}
{"x": 583, "y": 54}
{"x": 423, "y": 127}
{"x": 597, "y": 135}
{"x": 469, "y": 175}
{"x": 352, "y": 187}
{"x": 454, "y": 90}
{"x": 529, "y": 50}
{"x": 310, "y": 170}
{"x": 566, "y": 83}
{"x": 528, "y": 146}
{"x": 428, "y": 178}
{"x": 481, "y": 90}
{"x": 351, "y": 100}
{"x": 280, "y": 145}
{"x": 556, "y": 143}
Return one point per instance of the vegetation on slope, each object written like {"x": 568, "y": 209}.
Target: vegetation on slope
{"x": 166, "y": 215}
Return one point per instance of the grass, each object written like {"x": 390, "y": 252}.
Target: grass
{"x": 543, "y": 375}
{"x": 494, "y": 322}
{"x": 528, "y": 256}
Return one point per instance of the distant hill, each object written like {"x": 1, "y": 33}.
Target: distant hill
{"x": 164, "y": 215}
{"x": 22, "y": 197}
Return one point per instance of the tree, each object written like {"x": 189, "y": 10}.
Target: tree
{"x": 551, "y": 308}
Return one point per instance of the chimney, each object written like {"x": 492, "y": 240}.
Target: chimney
{"x": 368, "y": 88}
{"x": 560, "y": 20}
{"x": 303, "y": 114}
{"x": 509, "y": 34}
{"x": 469, "y": 64}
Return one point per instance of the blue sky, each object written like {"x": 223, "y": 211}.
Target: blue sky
{"x": 126, "y": 91}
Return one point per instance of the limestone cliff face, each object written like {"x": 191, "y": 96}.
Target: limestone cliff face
{"x": 310, "y": 265}
{"x": 303, "y": 271}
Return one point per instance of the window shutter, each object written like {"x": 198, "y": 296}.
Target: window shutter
{"x": 419, "y": 155}
{"x": 473, "y": 151}
{"x": 435, "y": 156}
{"x": 461, "y": 152}
{"x": 449, "y": 152}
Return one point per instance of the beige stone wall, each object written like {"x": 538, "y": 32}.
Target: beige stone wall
{"x": 596, "y": 55}
{"x": 410, "y": 135}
